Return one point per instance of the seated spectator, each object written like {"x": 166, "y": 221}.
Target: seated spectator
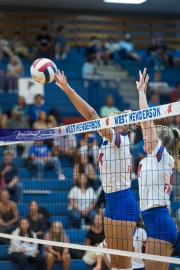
{"x": 165, "y": 54}
{"x": 8, "y": 216}
{"x": 21, "y": 106}
{"x": 108, "y": 108}
{"x": 41, "y": 157}
{"x": 89, "y": 70}
{"x": 2, "y": 79}
{"x": 103, "y": 258}
{"x": 175, "y": 93}
{"x": 44, "y": 121}
{"x": 53, "y": 253}
{"x": 37, "y": 107}
{"x": 44, "y": 43}
{"x": 22, "y": 253}
{"x": 10, "y": 174}
{"x": 66, "y": 146}
{"x": 17, "y": 121}
{"x": 84, "y": 167}
{"x": 154, "y": 100}
{"x": 157, "y": 85}
{"x": 82, "y": 200}
{"x": 18, "y": 46}
{"x": 111, "y": 49}
{"x": 88, "y": 146}
{"x": 4, "y": 47}
{"x": 13, "y": 71}
{"x": 154, "y": 55}
{"x": 126, "y": 49}
{"x": 93, "y": 238}
{"x": 94, "y": 49}
{"x": 61, "y": 45}
{"x": 36, "y": 220}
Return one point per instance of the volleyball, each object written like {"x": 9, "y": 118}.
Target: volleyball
{"x": 43, "y": 70}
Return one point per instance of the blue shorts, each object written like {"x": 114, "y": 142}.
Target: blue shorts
{"x": 121, "y": 205}
{"x": 159, "y": 224}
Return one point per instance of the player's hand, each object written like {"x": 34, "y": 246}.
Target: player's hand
{"x": 61, "y": 80}
{"x": 97, "y": 268}
{"x": 143, "y": 81}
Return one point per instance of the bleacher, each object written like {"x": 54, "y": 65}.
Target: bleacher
{"x": 52, "y": 193}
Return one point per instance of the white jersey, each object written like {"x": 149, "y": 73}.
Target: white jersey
{"x": 139, "y": 239}
{"x": 115, "y": 163}
{"x": 155, "y": 177}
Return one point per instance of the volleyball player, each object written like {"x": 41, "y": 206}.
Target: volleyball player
{"x": 122, "y": 211}
{"x": 162, "y": 145}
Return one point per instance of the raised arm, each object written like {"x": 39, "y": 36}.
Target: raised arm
{"x": 81, "y": 105}
{"x": 148, "y": 128}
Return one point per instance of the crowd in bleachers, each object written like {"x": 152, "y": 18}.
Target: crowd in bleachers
{"x": 71, "y": 158}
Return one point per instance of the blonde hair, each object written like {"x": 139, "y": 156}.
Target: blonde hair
{"x": 171, "y": 140}
{"x": 126, "y": 127}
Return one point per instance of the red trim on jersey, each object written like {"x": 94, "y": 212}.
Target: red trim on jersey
{"x": 160, "y": 152}
{"x": 118, "y": 140}
{"x": 43, "y": 68}
{"x": 36, "y": 62}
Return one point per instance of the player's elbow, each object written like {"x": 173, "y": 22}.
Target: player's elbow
{"x": 92, "y": 115}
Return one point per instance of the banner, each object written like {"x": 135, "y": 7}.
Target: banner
{"x": 96, "y": 124}
{"x": 28, "y": 88}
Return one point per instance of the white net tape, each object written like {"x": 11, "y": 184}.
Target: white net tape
{"x": 97, "y": 124}
{"x": 96, "y": 249}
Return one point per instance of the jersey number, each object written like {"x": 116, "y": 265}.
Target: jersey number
{"x": 100, "y": 157}
{"x": 167, "y": 187}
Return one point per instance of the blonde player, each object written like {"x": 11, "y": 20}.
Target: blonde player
{"x": 162, "y": 145}
{"x": 122, "y": 211}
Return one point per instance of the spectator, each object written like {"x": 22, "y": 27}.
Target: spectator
{"x": 3, "y": 118}
{"x": 4, "y": 47}
{"x": 53, "y": 253}
{"x": 21, "y": 106}
{"x": 89, "y": 69}
{"x": 61, "y": 45}
{"x": 176, "y": 122}
{"x": 16, "y": 121}
{"x": 108, "y": 108}
{"x": 18, "y": 46}
{"x": 111, "y": 49}
{"x": 41, "y": 157}
{"x": 84, "y": 167}
{"x": 103, "y": 258}
{"x": 139, "y": 244}
{"x": 22, "y": 253}
{"x": 89, "y": 146}
{"x": 126, "y": 49}
{"x": 36, "y": 220}
{"x": 44, "y": 43}
{"x": 8, "y": 216}
{"x": 82, "y": 201}
{"x": 93, "y": 238}
{"x": 66, "y": 146}
{"x": 157, "y": 85}
{"x": 13, "y": 71}
{"x": 153, "y": 55}
{"x": 1, "y": 78}
{"x": 154, "y": 100}
{"x": 10, "y": 174}
{"x": 94, "y": 49}
{"x": 45, "y": 121}
{"x": 38, "y": 106}
{"x": 175, "y": 93}
{"x": 165, "y": 54}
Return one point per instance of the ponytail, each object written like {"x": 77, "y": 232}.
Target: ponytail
{"x": 171, "y": 140}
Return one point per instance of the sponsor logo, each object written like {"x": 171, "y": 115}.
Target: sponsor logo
{"x": 107, "y": 121}
{"x": 30, "y": 135}
{"x": 169, "y": 109}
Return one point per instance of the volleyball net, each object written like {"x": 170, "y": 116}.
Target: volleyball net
{"x": 45, "y": 171}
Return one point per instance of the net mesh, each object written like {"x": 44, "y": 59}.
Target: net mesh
{"x": 55, "y": 178}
